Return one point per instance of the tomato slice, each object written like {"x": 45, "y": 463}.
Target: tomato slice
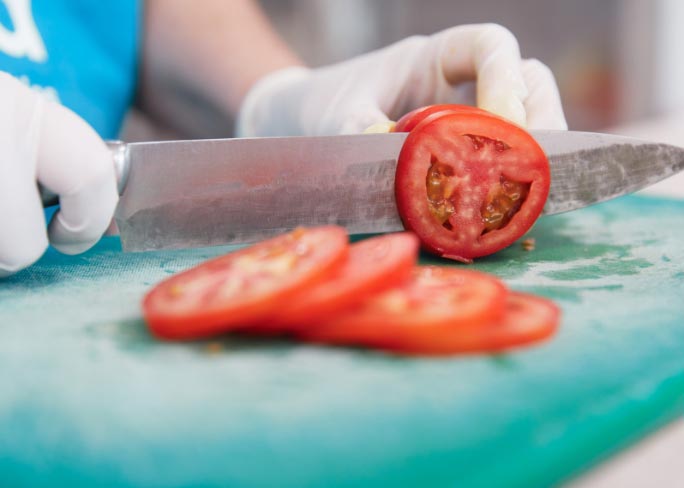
{"x": 373, "y": 265}
{"x": 245, "y": 286}
{"x": 527, "y": 319}
{"x": 409, "y": 121}
{"x": 470, "y": 184}
{"x": 431, "y": 303}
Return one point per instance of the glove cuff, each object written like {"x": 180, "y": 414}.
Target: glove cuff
{"x": 257, "y": 116}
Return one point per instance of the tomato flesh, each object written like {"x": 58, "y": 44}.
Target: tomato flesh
{"x": 372, "y": 265}
{"x": 527, "y": 319}
{"x": 432, "y": 301}
{"x": 245, "y": 286}
{"x": 470, "y": 184}
{"x": 503, "y": 200}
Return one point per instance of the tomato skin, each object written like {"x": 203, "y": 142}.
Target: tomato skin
{"x": 479, "y": 156}
{"x": 527, "y": 320}
{"x": 373, "y": 265}
{"x": 245, "y": 286}
{"x": 409, "y": 121}
{"x": 433, "y": 301}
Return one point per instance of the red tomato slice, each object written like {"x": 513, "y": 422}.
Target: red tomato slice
{"x": 431, "y": 303}
{"x": 412, "y": 119}
{"x": 527, "y": 319}
{"x": 373, "y": 265}
{"x": 470, "y": 184}
{"x": 245, "y": 286}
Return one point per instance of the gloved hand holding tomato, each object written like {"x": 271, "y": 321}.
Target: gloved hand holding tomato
{"x": 384, "y": 85}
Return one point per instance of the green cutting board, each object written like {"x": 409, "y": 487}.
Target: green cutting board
{"x": 88, "y": 398}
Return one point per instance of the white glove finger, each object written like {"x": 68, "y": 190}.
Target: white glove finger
{"x": 490, "y": 54}
{"x": 22, "y": 222}
{"x": 543, "y": 104}
{"x": 362, "y": 118}
{"x": 269, "y": 109}
{"x": 77, "y": 165}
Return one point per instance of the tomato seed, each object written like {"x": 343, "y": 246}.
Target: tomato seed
{"x": 440, "y": 192}
{"x": 503, "y": 202}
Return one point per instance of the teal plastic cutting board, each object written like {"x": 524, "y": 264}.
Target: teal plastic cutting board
{"x": 87, "y": 398}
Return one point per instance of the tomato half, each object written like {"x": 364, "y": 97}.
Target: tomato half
{"x": 527, "y": 319}
{"x": 409, "y": 121}
{"x": 373, "y": 265}
{"x": 431, "y": 303}
{"x": 245, "y": 286}
{"x": 470, "y": 184}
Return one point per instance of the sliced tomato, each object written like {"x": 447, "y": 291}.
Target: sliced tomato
{"x": 415, "y": 117}
{"x": 470, "y": 184}
{"x": 431, "y": 303}
{"x": 373, "y": 265}
{"x": 527, "y": 319}
{"x": 245, "y": 286}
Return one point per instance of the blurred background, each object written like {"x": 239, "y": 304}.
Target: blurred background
{"x": 616, "y": 61}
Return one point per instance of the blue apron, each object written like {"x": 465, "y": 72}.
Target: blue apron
{"x": 82, "y": 52}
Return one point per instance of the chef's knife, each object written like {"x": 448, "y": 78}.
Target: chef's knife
{"x": 182, "y": 194}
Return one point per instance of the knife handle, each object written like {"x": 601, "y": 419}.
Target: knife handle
{"x": 119, "y": 151}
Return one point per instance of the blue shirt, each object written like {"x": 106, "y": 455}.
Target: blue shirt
{"x": 82, "y": 52}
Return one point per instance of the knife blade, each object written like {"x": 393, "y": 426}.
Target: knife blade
{"x": 234, "y": 191}
{"x": 182, "y": 194}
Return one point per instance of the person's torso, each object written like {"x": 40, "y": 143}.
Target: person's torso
{"x": 81, "y": 52}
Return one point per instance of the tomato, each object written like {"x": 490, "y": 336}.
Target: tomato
{"x": 373, "y": 265}
{"x": 527, "y": 319}
{"x": 431, "y": 303}
{"x": 470, "y": 184}
{"x": 245, "y": 286}
{"x": 413, "y": 118}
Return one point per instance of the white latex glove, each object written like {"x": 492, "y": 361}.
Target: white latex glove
{"x": 41, "y": 141}
{"x": 353, "y": 95}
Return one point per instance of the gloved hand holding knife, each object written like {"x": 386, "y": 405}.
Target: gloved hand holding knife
{"x": 42, "y": 141}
